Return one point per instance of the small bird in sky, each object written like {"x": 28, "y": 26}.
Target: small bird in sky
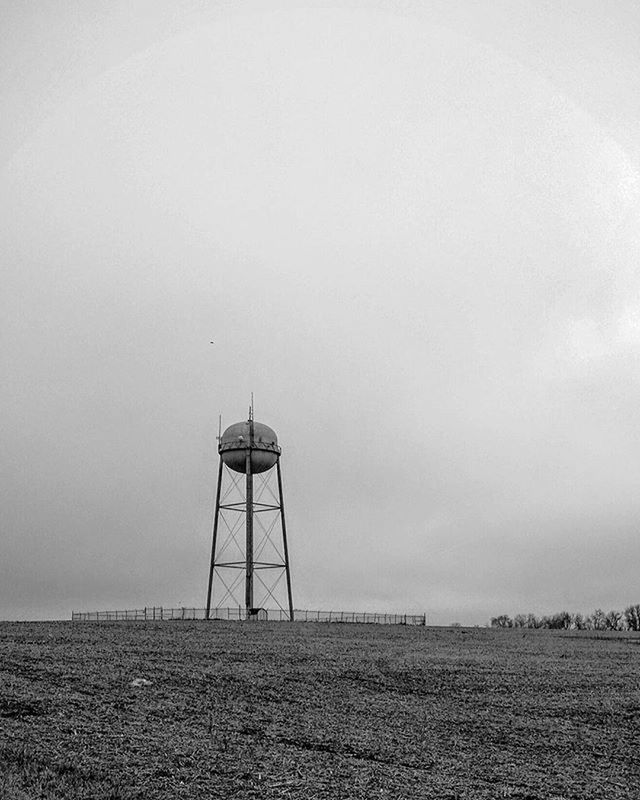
{"x": 210, "y": 342}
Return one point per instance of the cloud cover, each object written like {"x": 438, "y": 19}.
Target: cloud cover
{"x": 411, "y": 231}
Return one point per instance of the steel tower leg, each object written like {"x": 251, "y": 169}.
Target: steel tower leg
{"x": 284, "y": 541}
{"x": 248, "y": 597}
{"x": 215, "y": 539}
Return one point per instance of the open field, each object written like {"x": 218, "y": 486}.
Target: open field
{"x": 280, "y": 710}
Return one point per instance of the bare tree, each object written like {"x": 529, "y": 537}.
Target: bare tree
{"x": 559, "y": 621}
{"x": 632, "y": 617}
{"x": 614, "y": 621}
{"x": 578, "y": 622}
{"x": 629, "y": 619}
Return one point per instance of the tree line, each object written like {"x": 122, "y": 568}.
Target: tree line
{"x": 627, "y": 620}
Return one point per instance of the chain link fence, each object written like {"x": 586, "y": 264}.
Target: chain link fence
{"x": 160, "y": 613}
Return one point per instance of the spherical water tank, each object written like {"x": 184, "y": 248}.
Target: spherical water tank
{"x": 238, "y": 438}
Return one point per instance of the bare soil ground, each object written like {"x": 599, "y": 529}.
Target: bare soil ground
{"x": 279, "y": 710}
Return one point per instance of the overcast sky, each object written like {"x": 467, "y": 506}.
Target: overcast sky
{"x": 411, "y": 229}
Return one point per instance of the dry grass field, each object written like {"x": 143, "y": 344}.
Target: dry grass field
{"x": 279, "y": 710}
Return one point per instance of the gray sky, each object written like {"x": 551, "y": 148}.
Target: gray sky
{"x": 411, "y": 229}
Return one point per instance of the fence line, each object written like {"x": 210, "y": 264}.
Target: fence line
{"x": 160, "y": 613}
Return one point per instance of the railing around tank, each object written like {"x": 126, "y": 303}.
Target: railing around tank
{"x": 160, "y": 613}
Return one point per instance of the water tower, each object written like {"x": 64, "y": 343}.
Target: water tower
{"x": 249, "y": 495}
